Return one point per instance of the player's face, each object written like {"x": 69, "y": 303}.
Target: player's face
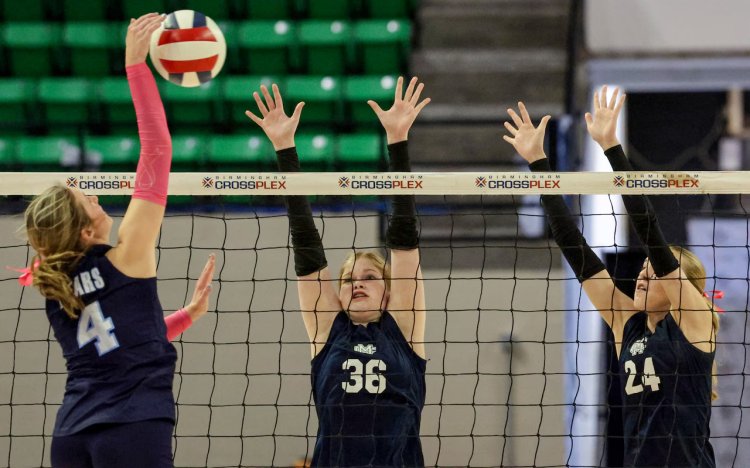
{"x": 649, "y": 294}
{"x": 101, "y": 223}
{"x": 363, "y": 294}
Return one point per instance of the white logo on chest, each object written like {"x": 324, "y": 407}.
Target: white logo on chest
{"x": 639, "y": 346}
{"x": 368, "y": 349}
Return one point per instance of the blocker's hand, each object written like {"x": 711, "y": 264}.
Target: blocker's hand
{"x": 199, "y": 303}
{"x": 527, "y": 139}
{"x": 138, "y": 39}
{"x": 602, "y": 126}
{"x": 398, "y": 119}
{"x": 278, "y": 127}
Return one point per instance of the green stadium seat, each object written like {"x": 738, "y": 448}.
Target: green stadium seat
{"x": 31, "y": 10}
{"x": 233, "y": 62}
{"x": 47, "y": 153}
{"x": 187, "y": 152}
{"x": 15, "y": 96}
{"x": 238, "y": 96}
{"x": 384, "y": 45}
{"x": 116, "y": 104}
{"x": 90, "y": 10}
{"x": 197, "y": 106}
{"x": 360, "y": 151}
{"x": 330, "y": 9}
{"x": 316, "y": 151}
{"x": 266, "y": 46}
{"x": 112, "y": 153}
{"x": 322, "y": 96}
{"x": 265, "y": 9}
{"x": 32, "y": 48}
{"x": 66, "y": 102}
{"x": 90, "y": 46}
{"x": 7, "y": 158}
{"x": 359, "y": 89}
{"x": 214, "y": 9}
{"x": 390, "y": 8}
{"x": 230, "y": 153}
{"x": 325, "y": 46}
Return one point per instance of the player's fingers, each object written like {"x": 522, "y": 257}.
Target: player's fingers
{"x": 543, "y": 123}
{"x": 596, "y": 100}
{"x": 589, "y": 119}
{"x": 417, "y": 93}
{"x": 277, "y": 95}
{"x": 298, "y": 111}
{"x": 410, "y": 89}
{"x": 375, "y": 107}
{"x": 524, "y": 113}
{"x": 399, "y": 89}
{"x": 254, "y": 118}
{"x": 510, "y": 140}
{"x": 259, "y": 102}
{"x": 613, "y": 101}
{"x": 619, "y": 105}
{"x": 603, "y": 97}
{"x": 422, "y": 104}
{"x": 516, "y": 119}
{"x": 513, "y": 130}
{"x": 269, "y": 100}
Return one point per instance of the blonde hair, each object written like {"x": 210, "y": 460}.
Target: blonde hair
{"x": 54, "y": 220}
{"x": 696, "y": 274}
{"x": 374, "y": 257}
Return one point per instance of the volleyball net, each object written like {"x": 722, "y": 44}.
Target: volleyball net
{"x": 518, "y": 371}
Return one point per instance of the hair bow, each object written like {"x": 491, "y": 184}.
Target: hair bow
{"x": 26, "y": 278}
{"x": 715, "y": 294}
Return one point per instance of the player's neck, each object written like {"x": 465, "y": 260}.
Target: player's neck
{"x": 654, "y": 318}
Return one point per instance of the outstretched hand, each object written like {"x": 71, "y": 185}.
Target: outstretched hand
{"x": 602, "y": 126}
{"x": 527, "y": 139}
{"x": 278, "y": 127}
{"x": 138, "y": 38}
{"x": 398, "y": 119}
{"x": 199, "y": 303}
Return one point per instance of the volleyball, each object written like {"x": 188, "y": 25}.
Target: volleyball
{"x": 189, "y": 49}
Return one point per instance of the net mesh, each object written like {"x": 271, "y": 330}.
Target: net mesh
{"x": 517, "y": 357}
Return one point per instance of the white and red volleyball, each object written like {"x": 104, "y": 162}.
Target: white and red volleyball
{"x": 189, "y": 49}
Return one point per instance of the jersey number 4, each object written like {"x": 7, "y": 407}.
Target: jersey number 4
{"x": 364, "y": 375}
{"x": 649, "y": 379}
{"x": 92, "y": 326}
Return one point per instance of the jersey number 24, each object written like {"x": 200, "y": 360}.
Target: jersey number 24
{"x": 92, "y": 326}
{"x": 649, "y": 378}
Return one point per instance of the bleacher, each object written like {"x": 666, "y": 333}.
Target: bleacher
{"x": 65, "y": 102}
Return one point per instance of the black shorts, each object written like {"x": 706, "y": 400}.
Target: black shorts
{"x": 145, "y": 444}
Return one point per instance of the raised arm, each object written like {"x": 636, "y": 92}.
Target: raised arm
{"x": 690, "y": 309}
{"x": 406, "y": 303}
{"x": 134, "y": 253}
{"x": 614, "y": 306}
{"x": 318, "y": 298}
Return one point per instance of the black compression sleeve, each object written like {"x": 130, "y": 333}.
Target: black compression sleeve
{"x": 643, "y": 217}
{"x": 402, "y": 229}
{"x": 309, "y": 255}
{"x": 582, "y": 260}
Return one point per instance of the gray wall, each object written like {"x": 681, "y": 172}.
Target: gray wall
{"x": 243, "y": 386}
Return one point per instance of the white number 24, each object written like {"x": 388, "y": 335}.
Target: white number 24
{"x": 92, "y": 326}
{"x": 650, "y": 379}
{"x": 374, "y": 381}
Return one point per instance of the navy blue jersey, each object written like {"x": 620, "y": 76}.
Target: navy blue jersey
{"x": 120, "y": 364}
{"x": 369, "y": 391}
{"x": 666, "y": 390}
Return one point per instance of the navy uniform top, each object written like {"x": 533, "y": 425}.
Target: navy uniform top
{"x": 120, "y": 364}
{"x": 369, "y": 391}
{"x": 666, "y": 390}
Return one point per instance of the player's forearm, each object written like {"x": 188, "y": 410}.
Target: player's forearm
{"x": 643, "y": 218}
{"x": 581, "y": 258}
{"x": 152, "y": 175}
{"x": 309, "y": 255}
{"x": 402, "y": 231}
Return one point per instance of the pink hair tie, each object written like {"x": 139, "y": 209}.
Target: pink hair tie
{"x": 715, "y": 294}
{"x": 26, "y": 278}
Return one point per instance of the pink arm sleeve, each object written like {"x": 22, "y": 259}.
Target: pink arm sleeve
{"x": 177, "y": 323}
{"x": 152, "y": 175}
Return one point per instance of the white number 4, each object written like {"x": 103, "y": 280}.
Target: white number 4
{"x": 374, "y": 382}
{"x": 650, "y": 379}
{"x": 92, "y": 326}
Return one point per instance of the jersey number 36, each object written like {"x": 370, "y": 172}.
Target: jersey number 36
{"x": 92, "y": 326}
{"x": 364, "y": 375}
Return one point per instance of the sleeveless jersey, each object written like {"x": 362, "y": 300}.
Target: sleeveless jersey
{"x": 120, "y": 364}
{"x": 369, "y": 391}
{"x": 666, "y": 391}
